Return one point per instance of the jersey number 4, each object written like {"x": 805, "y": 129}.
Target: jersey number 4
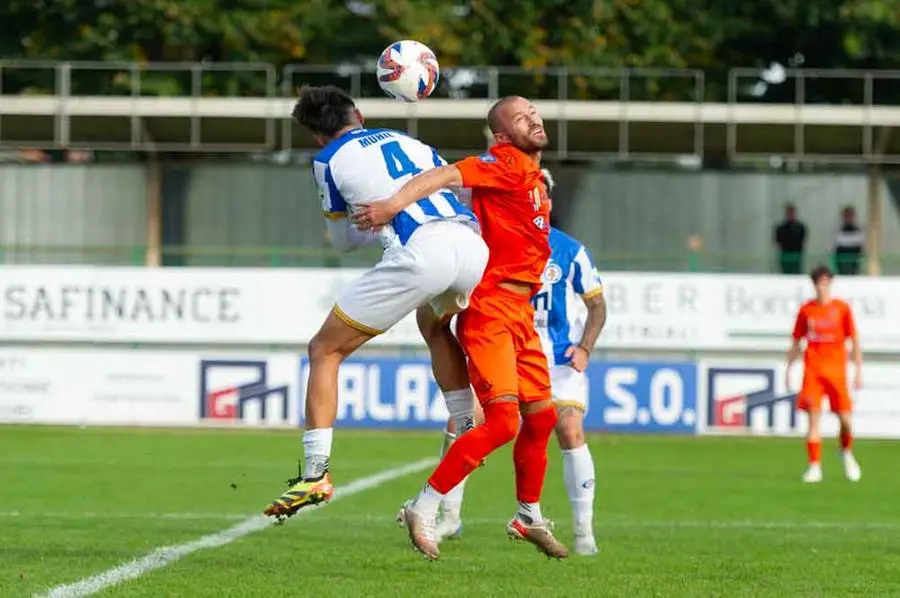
{"x": 398, "y": 164}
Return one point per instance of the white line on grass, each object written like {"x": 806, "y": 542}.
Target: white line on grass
{"x": 115, "y": 515}
{"x": 166, "y": 555}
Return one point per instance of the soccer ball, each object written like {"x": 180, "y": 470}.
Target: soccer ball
{"x": 408, "y": 70}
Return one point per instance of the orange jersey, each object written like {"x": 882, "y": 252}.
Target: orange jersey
{"x": 510, "y": 200}
{"x": 826, "y": 328}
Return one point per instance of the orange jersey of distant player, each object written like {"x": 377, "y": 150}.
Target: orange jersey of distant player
{"x": 826, "y": 328}
{"x": 510, "y": 200}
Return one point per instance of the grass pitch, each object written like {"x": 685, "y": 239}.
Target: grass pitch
{"x": 675, "y": 517}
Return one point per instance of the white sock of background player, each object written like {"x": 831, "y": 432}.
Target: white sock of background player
{"x": 578, "y": 474}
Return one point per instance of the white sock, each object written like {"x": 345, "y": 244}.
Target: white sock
{"x": 530, "y": 512}
{"x": 578, "y": 473}
{"x": 317, "y": 451}
{"x": 461, "y": 406}
{"x": 428, "y": 502}
{"x": 453, "y": 501}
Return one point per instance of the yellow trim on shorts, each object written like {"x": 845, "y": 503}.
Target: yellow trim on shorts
{"x": 593, "y": 293}
{"x": 343, "y": 317}
{"x": 334, "y": 215}
{"x": 576, "y": 404}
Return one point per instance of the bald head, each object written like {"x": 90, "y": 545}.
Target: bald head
{"x": 495, "y": 114}
{"x": 515, "y": 120}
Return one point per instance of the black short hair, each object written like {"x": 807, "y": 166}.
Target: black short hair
{"x": 324, "y": 110}
{"x": 820, "y": 272}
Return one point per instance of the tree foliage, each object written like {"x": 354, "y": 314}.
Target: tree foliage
{"x": 713, "y": 36}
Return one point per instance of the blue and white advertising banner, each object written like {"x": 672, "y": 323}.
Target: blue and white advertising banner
{"x": 623, "y": 396}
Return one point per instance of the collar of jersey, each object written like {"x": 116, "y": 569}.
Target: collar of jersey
{"x": 510, "y": 148}
{"x": 331, "y": 148}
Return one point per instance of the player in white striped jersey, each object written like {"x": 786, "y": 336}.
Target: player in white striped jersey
{"x": 570, "y": 311}
{"x": 434, "y": 257}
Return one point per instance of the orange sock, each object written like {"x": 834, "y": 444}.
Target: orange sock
{"x": 846, "y": 440}
{"x": 530, "y": 454}
{"x": 814, "y": 450}
{"x": 501, "y": 423}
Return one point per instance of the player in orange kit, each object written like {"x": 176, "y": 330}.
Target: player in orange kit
{"x": 826, "y": 323}
{"x": 507, "y": 366}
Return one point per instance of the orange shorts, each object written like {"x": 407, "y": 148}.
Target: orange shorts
{"x": 816, "y": 385}
{"x": 505, "y": 353}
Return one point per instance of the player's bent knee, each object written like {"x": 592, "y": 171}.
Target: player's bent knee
{"x": 570, "y": 439}
{"x": 570, "y": 429}
{"x": 318, "y": 348}
{"x": 501, "y": 419}
{"x": 540, "y": 423}
{"x": 335, "y": 340}
{"x": 323, "y": 347}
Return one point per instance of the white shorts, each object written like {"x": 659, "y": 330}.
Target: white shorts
{"x": 569, "y": 387}
{"x": 440, "y": 264}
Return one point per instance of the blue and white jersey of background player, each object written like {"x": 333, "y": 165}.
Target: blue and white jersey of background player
{"x": 560, "y": 313}
{"x": 559, "y": 310}
{"x": 367, "y": 165}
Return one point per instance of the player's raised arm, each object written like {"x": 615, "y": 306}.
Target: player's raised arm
{"x": 487, "y": 171}
{"x": 366, "y": 216}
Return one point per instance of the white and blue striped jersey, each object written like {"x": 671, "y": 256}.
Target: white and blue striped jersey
{"x": 560, "y": 312}
{"x": 368, "y": 165}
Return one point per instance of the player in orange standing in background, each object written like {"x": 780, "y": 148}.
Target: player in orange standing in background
{"x": 507, "y": 366}
{"x": 826, "y": 323}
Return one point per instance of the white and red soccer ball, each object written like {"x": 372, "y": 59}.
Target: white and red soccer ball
{"x": 408, "y": 70}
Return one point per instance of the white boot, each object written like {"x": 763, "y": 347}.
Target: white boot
{"x": 851, "y": 467}
{"x": 813, "y": 474}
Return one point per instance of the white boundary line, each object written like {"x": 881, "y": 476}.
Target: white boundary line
{"x": 166, "y": 555}
{"x": 120, "y": 515}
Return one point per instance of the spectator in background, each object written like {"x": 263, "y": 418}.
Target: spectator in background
{"x": 790, "y": 237}
{"x": 849, "y": 243}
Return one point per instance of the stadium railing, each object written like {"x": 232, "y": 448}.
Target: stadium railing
{"x": 293, "y": 257}
{"x": 823, "y": 115}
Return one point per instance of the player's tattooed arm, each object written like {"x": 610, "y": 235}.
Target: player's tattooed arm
{"x": 580, "y": 355}
{"x": 596, "y": 320}
{"x": 372, "y": 215}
